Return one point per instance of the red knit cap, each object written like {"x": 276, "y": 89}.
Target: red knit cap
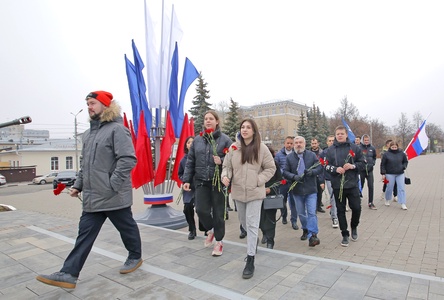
{"x": 102, "y": 96}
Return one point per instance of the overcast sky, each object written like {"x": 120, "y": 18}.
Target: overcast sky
{"x": 387, "y": 57}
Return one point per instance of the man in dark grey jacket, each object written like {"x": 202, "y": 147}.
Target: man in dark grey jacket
{"x": 105, "y": 181}
{"x": 369, "y": 153}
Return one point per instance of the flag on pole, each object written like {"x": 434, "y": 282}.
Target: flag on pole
{"x": 133, "y": 89}
{"x": 133, "y": 134}
{"x": 419, "y": 142}
{"x": 172, "y": 33}
{"x": 165, "y": 151}
{"x": 143, "y": 172}
{"x": 143, "y": 102}
{"x": 189, "y": 75}
{"x": 152, "y": 60}
{"x": 127, "y": 125}
{"x": 350, "y": 133}
{"x": 174, "y": 90}
{"x": 125, "y": 121}
{"x": 181, "y": 150}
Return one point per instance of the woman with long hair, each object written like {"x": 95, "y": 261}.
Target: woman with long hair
{"x": 204, "y": 162}
{"x": 393, "y": 164}
{"x": 247, "y": 167}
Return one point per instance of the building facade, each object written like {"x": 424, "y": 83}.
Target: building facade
{"x": 276, "y": 119}
{"x": 48, "y": 156}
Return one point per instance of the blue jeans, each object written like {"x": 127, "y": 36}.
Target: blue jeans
{"x": 399, "y": 179}
{"x": 283, "y": 189}
{"x": 306, "y": 207}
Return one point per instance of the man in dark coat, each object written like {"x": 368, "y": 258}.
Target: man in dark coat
{"x": 344, "y": 160}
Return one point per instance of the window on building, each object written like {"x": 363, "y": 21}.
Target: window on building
{"x": 54, "y": 163}
{"x": 282, "y": 110}
{"x": 69, "y": 163}
{"x": 273, "y": 111}
{"x": 265, "y": 112}
{"x": 259, "y": 112}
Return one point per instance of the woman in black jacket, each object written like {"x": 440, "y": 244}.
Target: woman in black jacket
{"x": 204, "y": 165}
{"x": 268, "y": 217}
{"x": 393, "y": 164}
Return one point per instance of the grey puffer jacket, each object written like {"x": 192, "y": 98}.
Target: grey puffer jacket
{"x": 200, "y": 162}
{"x": 107, "y": 160}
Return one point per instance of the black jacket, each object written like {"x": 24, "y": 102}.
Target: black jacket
{"x": 200, "y": 162}
{"x": 338, "y": 155}
{"x": 393, "y": 162}
{"x": 277, "y": 178}
{"x": 187, "y": 196}
{"x": 369, "y": 153}
{"x": 308, "y": 184}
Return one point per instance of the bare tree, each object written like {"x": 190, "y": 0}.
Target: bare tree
{"x": 417, "y": 119}
{"x": 436, "y": 136}
{"x": 347, "y": 110}
{"x": 404, "y": 129}
{"x": 222, "y": 108}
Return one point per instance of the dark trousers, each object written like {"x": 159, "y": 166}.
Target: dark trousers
{"x": 288, "y": 197}
{"x": 267, "y": 223}
{"x": 354, "y": 201}
{"x": 319, "y": 193}
{"x": 210, "y": 208}
{"x": 370, "y": 184}
{"x": 89, "y": 228}
{"x": 188, "y": 211}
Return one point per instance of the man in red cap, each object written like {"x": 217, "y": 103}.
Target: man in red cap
{"x": 105, "y": 181}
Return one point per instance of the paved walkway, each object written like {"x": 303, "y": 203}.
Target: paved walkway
{"x": 399, "y": 254}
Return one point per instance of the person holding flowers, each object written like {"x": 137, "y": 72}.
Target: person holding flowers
{"x": 247, "y": 167}
{"x": 344, "y": 159}
{"x": 268, "y": 217}
{"x": 104, "y": 180}
{"x": 204, "y": 162}
{"x": 393, "y": 164}
{"x": 302, "y": 168}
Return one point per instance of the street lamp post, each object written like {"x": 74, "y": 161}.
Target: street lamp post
{"x": 75, "y": 136}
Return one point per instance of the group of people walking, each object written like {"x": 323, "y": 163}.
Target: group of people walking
{"x": 250, "y": 171}
{"x": 213, "y": 167}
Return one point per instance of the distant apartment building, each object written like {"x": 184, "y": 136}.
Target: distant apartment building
{"x": 19, "y": 133}
{"x": 47, "y": 156}
{"x": 276, "y": 119}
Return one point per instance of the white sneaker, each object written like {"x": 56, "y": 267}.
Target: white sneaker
{"x": 335, "y": 223}
{"x": 395, "y": 199}
{"x": 403, "y": 206}
{"x": 387, "y": 203}
{"x": 218, "y": 249}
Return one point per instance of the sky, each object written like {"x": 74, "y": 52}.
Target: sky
{"x": 387, "y": 57}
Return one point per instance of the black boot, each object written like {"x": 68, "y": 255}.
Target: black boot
{"x": 270, "y": 243}
{"x": 249, "y": 268}
{"x": 192, "y": 235}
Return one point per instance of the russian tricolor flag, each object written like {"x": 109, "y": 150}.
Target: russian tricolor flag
{"x": 418, "y": 144}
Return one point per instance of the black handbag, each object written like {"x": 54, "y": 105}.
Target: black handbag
{"x": 274, "y": 202}
{"x": 407, "y": 180}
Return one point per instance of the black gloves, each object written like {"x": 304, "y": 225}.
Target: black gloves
{"x": 308, "y": 172}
